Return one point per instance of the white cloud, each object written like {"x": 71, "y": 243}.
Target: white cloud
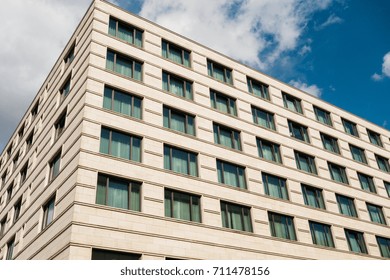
{"x": 385, "y": 69}
{"x": 311, "y": 89}
{"x": 257, "y": 33}
{"x": 332, "y": 19}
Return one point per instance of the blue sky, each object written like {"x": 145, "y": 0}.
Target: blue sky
{"x": 334, "y": 49}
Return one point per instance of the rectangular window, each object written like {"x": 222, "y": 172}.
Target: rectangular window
{"x": 2, "y": 226}
{"x": 355, "y": 241}
{"x": 387, "y": 187}
{"x": 330, "y": 143}
{"x": 177, "y": 85}
{"x": 337, "y": 173}
{"x": 275, "y": 186}
{"x": 258, "y": 88}
{"x": 227, "y": 137}
{"x": 321, "y": 234}
{"x": 223, "y": 103}
{"x": 15, "y": 162}
{"x": 48, "y": 212}
{"x": 122, "y": 102}
{"x": 231, "y": 174}
{"x": 375, "y": 138}
{"x": 366, "y": 182}
{"x": 179, "y": 121}
{"x": 124, "y": 65}
{"x": 263, "y": 118}
{"x": 9, "y": 194}
{"x": 268, "y": 150}
{"x": 180, "y": 161}
{"x": 346, "y": 205}
{"x": 236, "y": 216}
{"x": 17, "y": 208}
{"x": 376, "y": 214}
{"x": 55, "y": 166}
{"x": 358, "y": 154}
{"x": 3, "y": 179}
{"x": 298, "y": 131}
{"x": 98, "y": 254}
{"x": 322, "y": 116}
{"x": 305, "y": 162}
{"x": 281, "y": 226}
{"x": 175, "y": 53}
{"x": 59, "y": 126}
{"x": 69, "y": 56}
{"x": 219, "y": 72}
{"x": 120, "y": 145}
{"x": 125, "y": 32}
{"x": 20, "y": 133}
{"x": 10, "y": 249}
{"x": 118, "y": 193}
{"x": 29, "y": 141}
{"x": 34, "y": 111}
{"x": 313, "y": 197}
{"x": 383, "y": 163}
{"x": 350, "y": 127}
{"x": 292, "y": 103}
{"x": 65, "y": 89}
{"x": 182, "y": 206}
{"x": 384, "y": 246}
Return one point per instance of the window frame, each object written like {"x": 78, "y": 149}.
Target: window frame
{"x": 3, "y": 223}
{"x": 288, "y": 220}
{"x": 385, "y": 163}
{"x": 282, "y": 184}
{"x": 359, "y": 236}
{"x": 296, "y": 102}
{"x": 317, "y": 194}
{"x": 65, "y": 88}
{"x": 384, "y": 254}
{"x": 292, "y": 125}
{"x": 370, "y": 182}
{"x": 351, "y": 126}
{"x": 189, "y": 155}
{"x": 134, "y": 30}
{"x": 375, "y": 138}
{"x": 46, "y": 212}
{"x": 188, "y": 94}
{"x": 59, "y": 125}
{"x": 17, "y": 210}
{"x": 379, "y": 209}
{"x": 360, "y": 154}
{"x": 228, "y": 223}
{"x": 343, "y": 173}
{"x": 387, "y": 187}
{"x": 134, "y": 62}
{"x": 29, "y": 141}
{"x": 10, "y": 248}
{"x": 215, "y": 95}
{"x": 333, "y": 142}
{"x": 270, "y": 118}
{"x": 326, "y": 230}
{"x": 171, "y": 193}
{"x": 275, "y": 150}
{"x": 350, "y": 203}
{"x": 52, "y": 163}
{"x": 227, "y": 72}
{"x": 263, "y": 88}
{"x": 310, "y": 161}
{"x": 235, "y": 136}
{"x": 113, "y": 92}
{"x": 327, "y": 115}
{"x": 187, "y": 117}
{"x": 239, "y": 170}
{"x": 184, "y": 52}
{"x": 69, "y": 57}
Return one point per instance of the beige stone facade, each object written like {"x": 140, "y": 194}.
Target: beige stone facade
{"x": 50, "y": 206}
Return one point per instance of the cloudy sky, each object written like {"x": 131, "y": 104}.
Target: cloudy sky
{"x": 338, "y": 50}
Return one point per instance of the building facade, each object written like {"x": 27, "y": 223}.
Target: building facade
{"x": 142, "y": 144}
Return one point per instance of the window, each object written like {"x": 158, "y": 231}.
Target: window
{"x": 219, "y": 72}
{"x": 60, "y": 125}
{"x": 21, "y": 132}
{"x": 182, "y": 206}
{"x": 3, "y": 179}
{"x": 29, "y": 141}
{"x": 231, "y": 174}
{"x": 298, "y": 131}
{"x": 69, "y": 56}
{"x": 313, "y": 197}
{"x": 281, "y": 226}
{"x": 355, "y": 241}
{"x": 98, "y": 254}
{"x": 346, "y": 205}
{"x": 9, "y": 152}
{"x": 350, "y": 127}
{"x": 17, "y": 208}
{"x": 257, "y": 88}
{"x": 305, "y": 162}
{"x": 263, "y": 118}
{"x": 177, "y": 85}
{"x": 64, "y": 91}
{"x": 275, "y": 186}
{"x": 124, "y": 65}
{"x": 375, "y": 138}
{"x": 292, "y": 103}
{"x": 321, "y": 234}
{"x": 125, "y": 32}
{"x": 55, "y": 166}
{"x": 10, "y": 249}
{"x": 236, "y": 216}
{"x": 9, "y": 194}
{"x": 2, "y": 226}
{"x": 366, "y": 182}
{"x": 330, "y": 143}
{"x": 223, "y": 103}
{"x": 122, "y": 102}
{"x": 118, "y": 193}
{"x": 322, "y": 116}
{"x": 337, "y": 173}
{"x": 15, "y": 162}
{"x": 120, "y": 145}
{"x": 376, "y": 214}
{"x": 358, "y": 154}
{"x": 384, "y": 246}
{"x": 179, "y": 121}
{"x": 175, "y": 53}
{"x": 34, "y": 111}
{"x": 23, "y": 173}
{"x": 383, "y": 163}
{"x": 227, "y": 137}
{"x": 387, "y": 187}
{"x": 48, "y": 212}
{"x": 268, "y": 150}
{"x": 180, "y": 161}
